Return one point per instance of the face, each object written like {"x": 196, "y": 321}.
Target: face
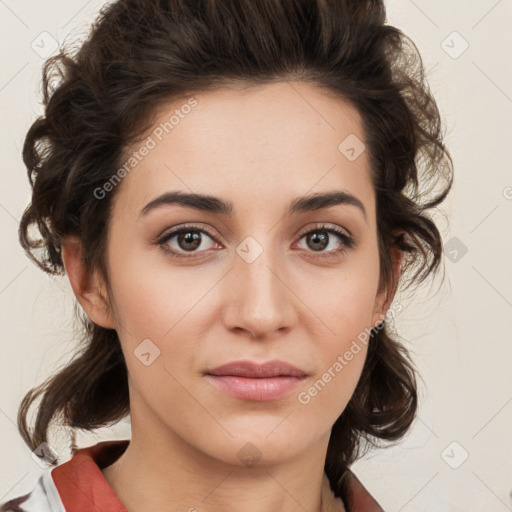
{"x": 256, "y": 280}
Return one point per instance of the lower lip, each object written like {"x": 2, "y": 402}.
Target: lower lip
{"x": 258, "y": 389}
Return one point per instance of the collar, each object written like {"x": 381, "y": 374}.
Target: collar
{"x": 82, "y": 486}
{"x": 80, "y": 482}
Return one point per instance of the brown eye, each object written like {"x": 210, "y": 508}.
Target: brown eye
{"x": 320, "y": 238}
{"x": 317, "y": 240}
{"x": 188, "y": 239}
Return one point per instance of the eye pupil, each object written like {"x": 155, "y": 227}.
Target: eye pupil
{"x": 322, "y": 239}
{"x": 189, "y": 237}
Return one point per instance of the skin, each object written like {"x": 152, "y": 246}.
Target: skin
{"x": 260, "y": 149}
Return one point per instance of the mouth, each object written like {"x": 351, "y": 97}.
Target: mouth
{"x": 257, "y": 382}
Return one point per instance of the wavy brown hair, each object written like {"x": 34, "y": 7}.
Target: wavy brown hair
{"x": 101, "y": 97}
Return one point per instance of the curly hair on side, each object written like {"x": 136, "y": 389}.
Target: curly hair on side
{"x": 141, "y": 54}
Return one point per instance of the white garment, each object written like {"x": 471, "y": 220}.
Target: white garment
{"x": 44, "y": 497}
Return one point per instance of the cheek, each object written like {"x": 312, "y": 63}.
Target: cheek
{"x": 346, "y": 305}
{"x": 147, "y": 303}
{"x": 328, "y": 394}
{"x": 158, "y": 309}
{"x": 341, "y": 355}
{"x": 344, "y": 300}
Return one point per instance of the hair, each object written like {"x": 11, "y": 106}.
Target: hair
{"x": 142, "y": 54}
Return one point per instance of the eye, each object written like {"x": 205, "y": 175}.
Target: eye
{"x": 188, "y": 239}
{"x": 319, "y": 238}
{"x": 191, "y": 239}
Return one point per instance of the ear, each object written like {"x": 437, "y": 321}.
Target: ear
{"x": 88, "y": 287}
{"x": 385, "y": 296}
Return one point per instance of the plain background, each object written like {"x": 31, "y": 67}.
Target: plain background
{"x": 458, "y": 454}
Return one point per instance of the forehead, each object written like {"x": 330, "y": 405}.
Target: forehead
{"x": 272, "y": 142}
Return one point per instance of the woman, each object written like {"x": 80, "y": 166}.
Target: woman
{"x": 235, "y": 190}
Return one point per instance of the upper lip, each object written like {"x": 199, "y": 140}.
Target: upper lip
{"x": 251, "y": 369}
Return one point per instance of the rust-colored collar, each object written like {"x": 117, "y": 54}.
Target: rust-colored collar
{"x": 82, "y": 486}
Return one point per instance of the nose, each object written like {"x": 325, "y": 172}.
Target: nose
{"x": 260, "y": 301}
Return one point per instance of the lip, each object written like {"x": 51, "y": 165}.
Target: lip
{"x": 251, "y": 369}
{"x": 259, "y": 382}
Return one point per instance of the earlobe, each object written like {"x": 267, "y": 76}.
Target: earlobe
{"x": 87, "y": 286}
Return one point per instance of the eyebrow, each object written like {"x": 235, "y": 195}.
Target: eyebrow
{"x": 215, "y": 205}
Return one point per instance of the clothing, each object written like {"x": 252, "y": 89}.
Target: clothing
{"x": 78, "y": 485}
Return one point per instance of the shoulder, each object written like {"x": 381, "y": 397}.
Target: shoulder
{"x": 42, "y": 498}
{"x": 56, "y": 488}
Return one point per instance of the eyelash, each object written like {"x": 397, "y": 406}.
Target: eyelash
{"x": 348, "y": 242}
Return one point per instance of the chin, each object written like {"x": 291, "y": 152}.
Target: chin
{"x": 259, "y": 448}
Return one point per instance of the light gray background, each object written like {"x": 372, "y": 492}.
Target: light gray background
{"x": 458, "y": 330}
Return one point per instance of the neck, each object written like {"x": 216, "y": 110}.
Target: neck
{"x": 163, "y": 472}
